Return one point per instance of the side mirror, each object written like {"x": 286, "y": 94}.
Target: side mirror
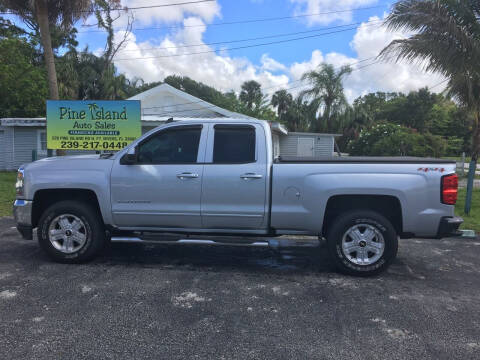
{"x": 130, "y": 157}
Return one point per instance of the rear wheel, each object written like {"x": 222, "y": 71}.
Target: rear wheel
{"x": 71, "y": 232}
{"x": 362, "y": 242}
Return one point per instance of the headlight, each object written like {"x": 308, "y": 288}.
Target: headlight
{"x": 19, "y": 183}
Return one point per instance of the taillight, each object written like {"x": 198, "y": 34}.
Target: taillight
{"x": 449, "y": 189}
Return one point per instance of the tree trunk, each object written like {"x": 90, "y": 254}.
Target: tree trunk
{"x": 326, "y": 115}
{"x": 41, "y": 10}
{"x": 473, "y": 163}
{"x": 476, "y": 138}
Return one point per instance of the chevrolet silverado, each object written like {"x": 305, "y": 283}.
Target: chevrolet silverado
{"x": 220, "y": 179}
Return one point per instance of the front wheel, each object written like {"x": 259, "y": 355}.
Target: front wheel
{"x": 71, "y": 232}
{"x": 362, "y": 243}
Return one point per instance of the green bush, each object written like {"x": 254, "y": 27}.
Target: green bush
{"x": 395, "y": 140}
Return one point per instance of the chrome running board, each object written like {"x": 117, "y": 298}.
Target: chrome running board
{"x": 218, "y": 241}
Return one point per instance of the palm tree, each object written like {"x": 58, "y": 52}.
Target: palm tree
{"x": 446, "y": 40}
{"x": 114, "y": 87}
{"x": 67, "y": 75}
{"x": 282, "y": 100}
{"x": 251, "y": 94}
{"x": 63, "y": 13}
{"x": 299, "y": 115}
{"x": 89, "y": 70}
{"x": 326, "y": 92}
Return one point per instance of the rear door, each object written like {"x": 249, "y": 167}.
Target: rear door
{"x": 234, "y": 188}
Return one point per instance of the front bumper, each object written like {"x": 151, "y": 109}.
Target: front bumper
{"x": 22, "y": 212}
{"x": 449, "y": 227}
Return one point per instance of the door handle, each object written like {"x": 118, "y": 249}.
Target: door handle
{"x": 187, "y": 175}
{"x": 249, "y": 176}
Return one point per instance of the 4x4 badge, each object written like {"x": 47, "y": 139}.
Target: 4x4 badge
{"x": 426, "y": 169}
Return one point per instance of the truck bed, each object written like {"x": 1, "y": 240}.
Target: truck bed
{"x": 363, "y": 159}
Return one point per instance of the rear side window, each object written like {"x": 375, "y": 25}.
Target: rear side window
{"x": 234, "y": 144}
{"x": 174, "y": 146}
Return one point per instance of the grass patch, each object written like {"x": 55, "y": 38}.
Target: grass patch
{"x": 472, "y": 221}
{"x": 7, "y": 192}
{"x": 465, "y": 177}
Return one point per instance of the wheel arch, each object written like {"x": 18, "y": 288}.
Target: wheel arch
{"x": 45, "y": 198}
{"x": 387, "y": 205}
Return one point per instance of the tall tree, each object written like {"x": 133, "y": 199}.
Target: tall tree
{"x": 103, "y": 10}
{"x": 447, "y": 39}
{"x": 8, "y": 29}
{"x": 114, "y": 87}
{"x": 24, "y": 87}
{"x": 282, "y": 100}
{"x": 251, "y": 94}
{"x": 326, "y": 92}
{"x": 299, "y": 115}
{"x": 62, "y": 13}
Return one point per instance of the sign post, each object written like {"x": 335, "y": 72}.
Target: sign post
{"x": 92, "y": 125}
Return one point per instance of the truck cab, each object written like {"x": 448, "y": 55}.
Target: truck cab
{"x": 195, "y": 176}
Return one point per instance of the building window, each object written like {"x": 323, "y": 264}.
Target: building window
{"x": 42, "y": 142}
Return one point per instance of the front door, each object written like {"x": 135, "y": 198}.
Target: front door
{"x": 163, "y": 188}
{"x": 305, "y": 147}
{"x": 235, "y": 178}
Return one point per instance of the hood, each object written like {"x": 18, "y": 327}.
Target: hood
{"x": 69, "y": 158}
{"x": 67, "y": 162}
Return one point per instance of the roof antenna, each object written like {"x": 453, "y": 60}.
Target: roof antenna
{"x": 169, "y": 120}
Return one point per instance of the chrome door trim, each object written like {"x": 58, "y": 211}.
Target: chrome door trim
{"x": 153, "y": 213}
{"x": 234, "y": 214}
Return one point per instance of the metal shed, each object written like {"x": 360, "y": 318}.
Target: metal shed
{"x": 307, "y": 144}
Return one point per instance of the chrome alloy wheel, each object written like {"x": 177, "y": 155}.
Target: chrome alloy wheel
{"x": 363, "y": 244}
{"x": 67, "y": 233}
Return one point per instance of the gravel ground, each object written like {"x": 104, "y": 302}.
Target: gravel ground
{"x": 184, "y": 302}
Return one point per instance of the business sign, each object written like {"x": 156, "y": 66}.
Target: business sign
{"x": 92, "y": 125}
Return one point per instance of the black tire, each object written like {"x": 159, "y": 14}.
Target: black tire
{"x": 94, "y": 231}
{"x": 341, "y": 226}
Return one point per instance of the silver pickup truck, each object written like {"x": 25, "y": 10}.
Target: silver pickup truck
{"x": 220, "y": 178}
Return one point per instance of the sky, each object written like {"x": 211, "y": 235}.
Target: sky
{"x": 211, "y": 42}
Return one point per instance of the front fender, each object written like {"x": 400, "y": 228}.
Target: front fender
{"x": 96, "y": 181}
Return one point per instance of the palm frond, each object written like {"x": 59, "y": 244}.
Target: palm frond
{"x": 447, "y": 35}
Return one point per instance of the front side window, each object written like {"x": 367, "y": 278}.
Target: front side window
{"x": 172, "y": 146}
{"x": 234, "y": 144}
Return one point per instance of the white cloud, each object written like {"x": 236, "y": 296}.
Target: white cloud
{"x": 367, "y": 43}
{"x": 270, "y": 64}
{"x": 298, "y": 69}
{"x": 303, "y": 7}
{"x": 386, "y": 75}
{"x": 206, "y": 11}
{"x": 220, "y": 70}
{"x": 226, "y": 71}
